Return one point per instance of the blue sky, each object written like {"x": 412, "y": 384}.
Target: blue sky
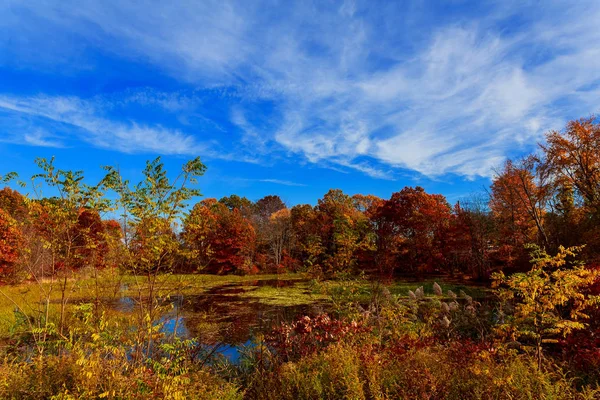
{"x": 294, "y": 97}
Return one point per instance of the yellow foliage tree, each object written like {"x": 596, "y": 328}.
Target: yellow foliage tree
{"x": 550, "y": 300}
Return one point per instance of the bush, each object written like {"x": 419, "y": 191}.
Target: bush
{"x": 459, "y": 371}
{"x": 102, "y": 374}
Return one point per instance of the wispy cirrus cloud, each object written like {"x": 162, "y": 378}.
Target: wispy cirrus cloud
{"x": 376, "y": 87}
{"x": 84, "y": 120}
{"x": 33, "y": 137}
{"x": 42, "y": 138}
{"x": 281, "y": 182}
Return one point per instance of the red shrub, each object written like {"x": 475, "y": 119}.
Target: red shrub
{"x": 582, "y": 350}
{"x": 308, "y": 335}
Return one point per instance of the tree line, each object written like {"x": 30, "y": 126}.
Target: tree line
{"x": 549, "y": 198}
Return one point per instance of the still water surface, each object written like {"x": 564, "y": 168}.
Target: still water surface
{"x": 224, "y": 316}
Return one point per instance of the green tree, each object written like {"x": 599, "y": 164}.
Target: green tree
{"x": 151, "y": 210}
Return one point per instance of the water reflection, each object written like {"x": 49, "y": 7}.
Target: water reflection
{"x": 223, "y": 316}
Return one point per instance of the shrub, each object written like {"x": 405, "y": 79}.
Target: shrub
{"x": 85, "y": 374}
{"x": 309, "y": 335}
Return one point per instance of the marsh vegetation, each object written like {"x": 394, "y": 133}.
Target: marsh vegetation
{"x": 120, "y": 290}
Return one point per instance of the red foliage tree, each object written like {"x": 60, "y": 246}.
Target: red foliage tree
{"x": 412, "y": 226}
{"x": 10, "y": 239}
{"x": 93, "y": 238}
{"x": 221, "y": 239}
{"x": 468, "y": 239}
{"x": 268, "y": 205}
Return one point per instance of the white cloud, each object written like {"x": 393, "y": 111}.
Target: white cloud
{"x": 250, "y": 134}
{"x": 33, "y": 137}
{"x": 412, "y": 149}
{"x": 100, "y": 131}
{"x": 41, "y": 138}
{"x": 356, "y": 82}
{"x": 281, "y": 182}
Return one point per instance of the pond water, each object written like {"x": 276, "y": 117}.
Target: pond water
{"x": 226, "y": 316}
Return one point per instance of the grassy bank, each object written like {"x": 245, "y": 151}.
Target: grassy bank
{"x": 31, "y": 297}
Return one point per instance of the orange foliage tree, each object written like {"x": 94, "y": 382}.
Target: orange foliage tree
{"x": 518, "y": 203}
{"x": 94, "y": 238}
{"x": 574, "y": 155}
{"x": 308, "y": 247}
{"x": 572, "y": 162}
{"x": 279, "y": 234}
{"x": 13, "y": 203}
{"x": 344, "y": 231}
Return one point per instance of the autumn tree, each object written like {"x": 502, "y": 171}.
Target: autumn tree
{"x": 470, "y": 236}
{"x": 15, "y": 223}
{"x": 268, "y": 205}
{"x": 518, "y": 203}
{"x": 222, "y": 239}
{"x": 572, "y": 162}
{"x": 10, "y": 241}
{"x": 566, "y": 222}
{"x": 52, "y": 240}
{"x": 368, "y": 206}
{"x": 199, "y": 227}
{"x": 265, "y": 229}
{"x": 31, "y": 217}
{"x": 113, "y": 248}
{"x": 574, "y": 155}
{"x": 279, "y": 233}
{"x": 58, "y": 221}
{"x": 14, "y": 203}
{"x": 150, "y": 211}
{"x": 234, "y": 241}
{"x": 344, "y": 231}
{"x": 242, "y": 204}
{"x": 93, "y": 237}
{"x": 387, "y": 241}
{"x": 458, "y": 250}
{"x": 414, "y": 225}
{"x": 549, "y": 301}
{"x": 308, "y": 247}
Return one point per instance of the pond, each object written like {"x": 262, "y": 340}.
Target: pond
{"x": 226, "y": 312}
{"x": 230, "y": 315}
